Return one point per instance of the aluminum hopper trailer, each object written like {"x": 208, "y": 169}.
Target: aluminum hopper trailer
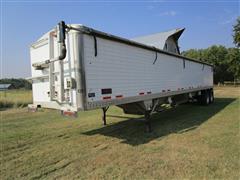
{"x": 77, "y": 68}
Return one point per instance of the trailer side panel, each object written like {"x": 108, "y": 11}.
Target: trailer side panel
{"x": 119, "y": 71}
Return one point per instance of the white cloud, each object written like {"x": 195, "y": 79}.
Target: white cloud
{"x": 150, "y": 7}
{"x": 227, "y": 11}
{"x": 228, "y": 21}
{"x": 168, "y": 13}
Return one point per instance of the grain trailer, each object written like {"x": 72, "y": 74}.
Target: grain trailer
{"x": 77, "y": 68}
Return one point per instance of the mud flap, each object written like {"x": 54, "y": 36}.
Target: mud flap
{"x": 69, "y": 113}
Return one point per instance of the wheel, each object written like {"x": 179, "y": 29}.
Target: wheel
{"x": 207, "y": 99}
{"x": 204, "y": 98}
{"x": 211, "y": 96}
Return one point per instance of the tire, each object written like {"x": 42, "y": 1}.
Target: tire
{"x": 211, "y": 95}
{"x": 204, "y": 99}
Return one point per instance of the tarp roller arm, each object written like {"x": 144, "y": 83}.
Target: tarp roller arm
{"x": 61, "y": 31}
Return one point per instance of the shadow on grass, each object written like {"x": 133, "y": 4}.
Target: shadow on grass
{"x": 184, "y": 118}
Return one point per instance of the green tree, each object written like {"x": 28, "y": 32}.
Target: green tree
{"x": 226, "y": 61}
{"x": 191, "y": 53}
{"x": 236, "y": 32}
{"x": 216, "y": 55}
{"x": 233, "y": 59}
{"x": 223, "y": 59}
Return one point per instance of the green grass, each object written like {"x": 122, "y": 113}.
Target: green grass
{"x": 15, "y": 98}
{"x": 189, "y": 141}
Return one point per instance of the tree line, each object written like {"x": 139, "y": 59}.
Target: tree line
{"x": 19, "y": 83}
{"x": 226, "y": 61}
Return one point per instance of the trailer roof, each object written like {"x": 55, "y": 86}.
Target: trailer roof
{"x": 97, "y": 33}
{"x": 94, "y": 32}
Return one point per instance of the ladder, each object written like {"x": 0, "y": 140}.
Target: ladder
{"x": 52, "y": 74}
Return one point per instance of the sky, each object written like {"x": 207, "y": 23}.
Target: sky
{"x": 23, "y": 22}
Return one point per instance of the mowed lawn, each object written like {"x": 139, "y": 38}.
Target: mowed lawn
{"x": 189, "y": 141}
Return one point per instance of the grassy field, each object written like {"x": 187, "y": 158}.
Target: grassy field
{"x": 15, "y": 98}
{"x": 189, "y": 141}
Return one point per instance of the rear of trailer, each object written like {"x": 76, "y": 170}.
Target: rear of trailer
{"x": 75, "y": 67}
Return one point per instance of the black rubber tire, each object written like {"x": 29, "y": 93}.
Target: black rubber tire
{"x": 211, "y": 95}
{"x": 205, "y": 97}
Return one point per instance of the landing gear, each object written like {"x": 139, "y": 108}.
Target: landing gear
{"x": 147, "y": 116}
{"x": 104, "y": 109}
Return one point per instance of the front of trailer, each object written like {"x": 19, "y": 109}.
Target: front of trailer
{"x": 55, "y": 66}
